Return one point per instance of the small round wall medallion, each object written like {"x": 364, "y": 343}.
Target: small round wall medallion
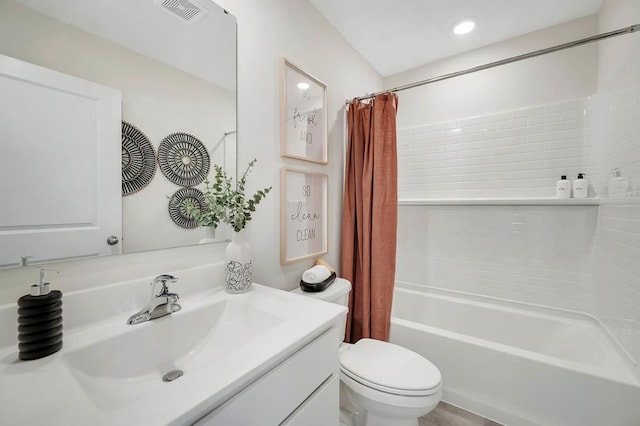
{"x": 183, "y": 159}
{"x": 138, "y": 159}
{"x": 177, "y": 211}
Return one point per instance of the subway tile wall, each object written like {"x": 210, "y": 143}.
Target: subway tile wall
{"x": 616, "y": 127}
{"x": 618, "y": 274}
{"x": 584, "y": 258}
{"x": 519, "y": 153}
{"x": 535, "y": 254}
{"x": 617, "y": 242}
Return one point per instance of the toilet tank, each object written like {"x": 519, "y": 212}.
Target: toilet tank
{"x": 338, "y": 293}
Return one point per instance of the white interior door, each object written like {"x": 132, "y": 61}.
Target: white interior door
{"x": 60, "y": 165}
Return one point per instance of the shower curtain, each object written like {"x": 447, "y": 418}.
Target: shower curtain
{"x": 369, "y": 217}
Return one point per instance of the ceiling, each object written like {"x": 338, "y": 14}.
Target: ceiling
{"x": 399, "y": 35}
{"x": 206, "y": 48}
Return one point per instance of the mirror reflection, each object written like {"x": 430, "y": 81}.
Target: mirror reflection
{"x": 173, "y": 63}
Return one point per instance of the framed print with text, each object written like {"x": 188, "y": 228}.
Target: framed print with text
{"x": 303, "y": 115}
{"x": 303, "y": 215}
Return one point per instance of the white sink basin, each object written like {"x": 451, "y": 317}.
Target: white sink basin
{"x": 120, "y": 369}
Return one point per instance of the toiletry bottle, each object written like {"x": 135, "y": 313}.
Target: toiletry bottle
{"x": 39, "y": 321}
{"x": 563, "y": 187}
{"x": 580, "y": 187}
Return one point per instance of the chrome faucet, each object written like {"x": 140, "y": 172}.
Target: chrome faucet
{"x": 162, "y": 301}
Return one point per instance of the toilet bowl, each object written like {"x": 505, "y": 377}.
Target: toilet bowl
{"x": 381, "y": 384}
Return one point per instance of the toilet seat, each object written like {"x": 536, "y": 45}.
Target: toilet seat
{"x": 390, "y": 368}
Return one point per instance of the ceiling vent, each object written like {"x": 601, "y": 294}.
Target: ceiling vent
{"x": 188, "y": 11}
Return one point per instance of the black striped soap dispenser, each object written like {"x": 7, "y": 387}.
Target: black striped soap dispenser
{"x": 39, "y": 321}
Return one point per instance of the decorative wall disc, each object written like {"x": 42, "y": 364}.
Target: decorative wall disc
{"x": 183, "y": 159}
{"x": 138, "y": 159}
{"x": 177, "y": 211}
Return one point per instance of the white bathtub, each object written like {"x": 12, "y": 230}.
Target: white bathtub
{"x": 518, "y": 364}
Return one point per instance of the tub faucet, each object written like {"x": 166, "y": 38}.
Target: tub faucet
{"x": 162, "y": 301}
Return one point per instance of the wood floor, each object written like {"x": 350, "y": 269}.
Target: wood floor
{"x": 448, "y": 415}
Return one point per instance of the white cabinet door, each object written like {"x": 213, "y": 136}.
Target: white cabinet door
{"x": 60, "y": 162}
{"x": 272, "y": 398}
{"x": 321, "y": 408}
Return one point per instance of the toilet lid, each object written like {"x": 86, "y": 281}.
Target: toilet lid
{"x": 390, "y": 368}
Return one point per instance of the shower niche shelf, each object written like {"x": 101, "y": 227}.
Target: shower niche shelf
{"x": 624, "y": 201}
{"x": 500, "y": 202}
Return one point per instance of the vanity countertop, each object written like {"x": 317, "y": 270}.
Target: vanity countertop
{"x": 78, "y": 386}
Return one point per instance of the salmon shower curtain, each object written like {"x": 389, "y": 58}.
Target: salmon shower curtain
{"x": 369, "y": 217}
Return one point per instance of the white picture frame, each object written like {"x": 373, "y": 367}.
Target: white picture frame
{"x": 303, "y": 115}
{"x": 303, "y": 214}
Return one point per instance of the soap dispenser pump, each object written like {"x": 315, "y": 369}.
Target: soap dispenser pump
{"x": 580, "y": 187}
{"x": 563, "y": 187}
{"x": 39, "y": 321}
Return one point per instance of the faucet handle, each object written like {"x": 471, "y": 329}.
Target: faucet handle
{"x": 162, "y": 280}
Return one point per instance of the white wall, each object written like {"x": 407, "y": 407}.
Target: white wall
{"x": 619, "y": 90}
{"x": 267, "y": 30}
{"x": 559, "y": 76}
{"x": 618, "y": 64}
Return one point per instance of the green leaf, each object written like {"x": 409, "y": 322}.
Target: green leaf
{"x": 226, "y": 202}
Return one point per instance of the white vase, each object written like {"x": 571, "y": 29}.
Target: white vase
{"x": 238, "y": 264}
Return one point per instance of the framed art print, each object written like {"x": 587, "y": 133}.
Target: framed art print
{"x": 303, "y": 215}
{"x": 303, "y": 115}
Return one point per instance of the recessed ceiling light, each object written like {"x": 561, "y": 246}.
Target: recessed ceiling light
{"x": 464, "y": 27}
{"x": 303, "y": 86}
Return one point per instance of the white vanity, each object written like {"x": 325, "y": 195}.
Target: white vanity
{"x": 266, "y": 357}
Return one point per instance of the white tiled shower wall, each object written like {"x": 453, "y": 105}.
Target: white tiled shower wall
{"x": 617, "y": 251}
{"x": 519, "y": 153}
{"x": 534, "y": 254}
{"x": 584, "y": 258}
{"x": 616, "y": 122}
{"x": 617, "y": 244}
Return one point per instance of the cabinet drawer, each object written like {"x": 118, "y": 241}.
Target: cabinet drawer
{"x": 274, "y": 396}
{"x": 321, "y": 408}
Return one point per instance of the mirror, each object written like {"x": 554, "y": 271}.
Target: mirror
{"x": 174, "y": 64}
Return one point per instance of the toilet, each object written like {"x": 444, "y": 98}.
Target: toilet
{"x": 381, "y": 384}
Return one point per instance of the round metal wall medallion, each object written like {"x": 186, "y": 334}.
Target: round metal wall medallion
{"x": 183, "y": 159}
{"x": 138, "y": 159}
{"x": 177, "y": 211}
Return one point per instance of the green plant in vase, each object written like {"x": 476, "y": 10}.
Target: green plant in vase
{"x": 238, "y": 207}
{"x": 227, "y": 203}
{"x": 224, "y": 203}
{"x": 213, "y": 210}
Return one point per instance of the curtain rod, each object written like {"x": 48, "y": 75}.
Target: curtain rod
{"x": 621, "y": 31}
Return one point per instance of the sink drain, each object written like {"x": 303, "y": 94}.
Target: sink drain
{"x": 172, "y": 375}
